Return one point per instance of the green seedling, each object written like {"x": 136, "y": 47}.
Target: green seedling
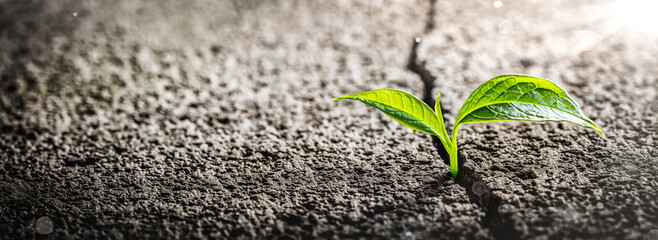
{"x": 503, "y": 98}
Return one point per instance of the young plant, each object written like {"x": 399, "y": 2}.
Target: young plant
{"x": 503, "y": 98}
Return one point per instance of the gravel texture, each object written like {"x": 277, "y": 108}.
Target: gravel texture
{"x": 214, "y": 119}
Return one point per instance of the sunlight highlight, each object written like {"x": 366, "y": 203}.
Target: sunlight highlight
{"x": 638, "y": 14}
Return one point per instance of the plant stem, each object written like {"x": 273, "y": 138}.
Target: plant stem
{"x": 454, "y": 161}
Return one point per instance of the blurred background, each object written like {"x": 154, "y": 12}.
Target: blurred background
{"x": 214, "y": 118}
{"x": 96, "y": 48}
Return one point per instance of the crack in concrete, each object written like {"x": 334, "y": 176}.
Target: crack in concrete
{"x": 428, "y": 85}
{"x": 501, "y": 225}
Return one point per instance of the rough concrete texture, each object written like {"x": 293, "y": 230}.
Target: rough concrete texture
{"x": 214, "y": 119}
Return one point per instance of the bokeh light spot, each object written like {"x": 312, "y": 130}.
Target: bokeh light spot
{"x": 44, "y": 225}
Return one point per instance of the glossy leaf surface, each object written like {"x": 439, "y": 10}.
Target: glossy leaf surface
{"x": 524, "y": 98}
{"x": 404, "y": 108}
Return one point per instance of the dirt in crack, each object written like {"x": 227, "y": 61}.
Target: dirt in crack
{"x": 500, "y": 225}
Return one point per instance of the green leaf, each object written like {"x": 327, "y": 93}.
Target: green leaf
{"x": 405, "y": 108}
{"x": 520, "y": 97}
{"x": 439, "y": 115}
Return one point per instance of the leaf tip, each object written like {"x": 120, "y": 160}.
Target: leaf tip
{"x": 599, "y": 131}
{"x": 597, "y": 128}
{"x": 340, "y": 98}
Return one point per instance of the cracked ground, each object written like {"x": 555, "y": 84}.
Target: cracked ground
{"x": 215, "y": 119}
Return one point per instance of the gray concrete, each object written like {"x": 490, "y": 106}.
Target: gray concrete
{"x": 214, "y": 119}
